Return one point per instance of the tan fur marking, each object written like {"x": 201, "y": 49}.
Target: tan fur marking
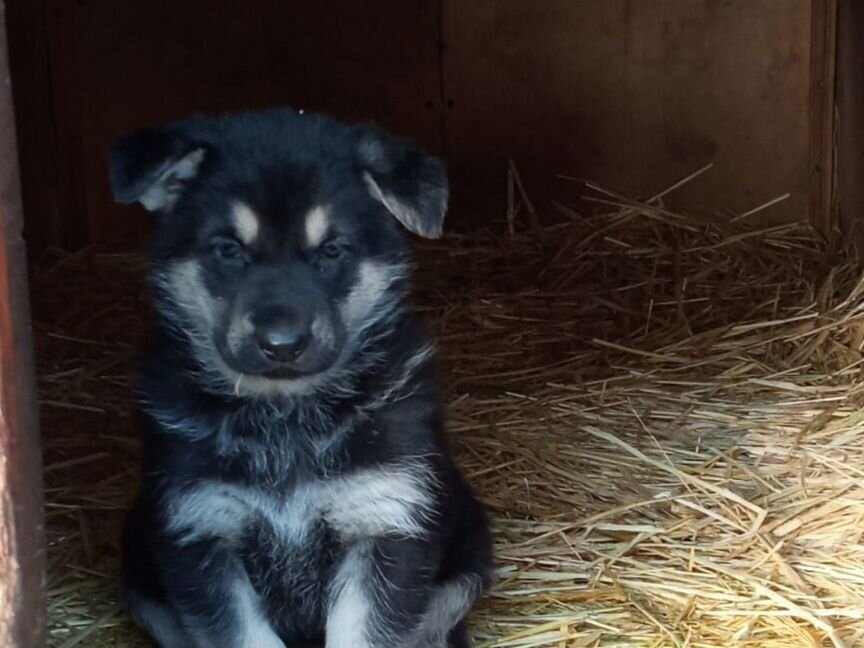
{"x": 374, "y": 278}
{"x": 317, "y": 223}
{"x": 240, "y": 328}
{"x": 188, "y": 291}
{"x": 246, "y": 223}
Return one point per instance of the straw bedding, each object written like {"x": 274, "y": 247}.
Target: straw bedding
{"x": 663, "y": 414}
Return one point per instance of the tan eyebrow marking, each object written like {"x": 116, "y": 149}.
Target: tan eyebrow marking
{"x": 317, "y": 223}
{"x": 245, "y": 222}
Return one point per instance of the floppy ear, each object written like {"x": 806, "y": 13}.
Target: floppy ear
{"x": 152, "y": 167}
{"x": 409, "y": 183}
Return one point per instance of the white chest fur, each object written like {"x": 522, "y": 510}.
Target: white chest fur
{"x": 371, "y": 502}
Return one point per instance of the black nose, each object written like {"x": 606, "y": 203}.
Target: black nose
{"x": 281, "y": 343}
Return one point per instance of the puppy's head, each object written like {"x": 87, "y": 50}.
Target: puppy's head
{"x": 278, "y": 241}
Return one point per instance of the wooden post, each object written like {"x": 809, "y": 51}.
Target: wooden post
{"x": 22, "y": 602}
{"x": 823, "y": 56}
{"x": 850, "y": 118}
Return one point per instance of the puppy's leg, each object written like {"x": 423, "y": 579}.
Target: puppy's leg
{"x": 214, "y": 600}
{"x": 442, "y": 625}
{"x": 378, "y": 595}
{"x": 144, "y": 595}
{"x": 158, "y": 620}
{"x": 383, "y": 596}
{"x": 458, "y": 637}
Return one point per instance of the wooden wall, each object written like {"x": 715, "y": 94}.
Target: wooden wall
{"x": 634, "y": 94}
{"x": 114, "y": 66}
{"x": 22, "y": 547}
{"x": 850, "y": 117}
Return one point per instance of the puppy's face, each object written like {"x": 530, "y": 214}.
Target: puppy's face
{"x": 281, "y": 293}
{"x": 278, "y": 244}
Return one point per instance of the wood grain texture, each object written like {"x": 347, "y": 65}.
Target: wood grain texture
{"x": 635, "y": 95}
{"x": 823, "y": 56}
{"x": 144, "y": 62}
{"x": 22, "y": 604}
{"x": 850, "y": 117}
{"x": 28, "y": 52}
{"x": 630, "y": 93}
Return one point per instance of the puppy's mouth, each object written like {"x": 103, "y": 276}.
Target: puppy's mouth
{"x": 248, "y": 361}
{"x": 287, "y": 373}
{"x": 245, "y": 356}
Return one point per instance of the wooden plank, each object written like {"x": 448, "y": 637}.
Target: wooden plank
{"x": 42, "y": 59}
{"x": 22, "y": 603}
{"x": 69, "y": 138}
{"x": 823, "y": 56}
{"x": 850, "y": 118}
{"x": 143, "y": 62}
{"x": 634, "y": 95}
{"x": 28, "y": 54}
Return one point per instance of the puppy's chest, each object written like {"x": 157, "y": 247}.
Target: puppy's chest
{"x": 397, "y": 498}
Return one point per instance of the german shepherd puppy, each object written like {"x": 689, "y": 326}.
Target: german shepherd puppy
{"x": 297, "y": 487}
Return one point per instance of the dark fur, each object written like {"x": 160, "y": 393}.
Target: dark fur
{"x": 367, "y": 401}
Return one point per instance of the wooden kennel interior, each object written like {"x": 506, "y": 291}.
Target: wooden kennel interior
{"x": 633, "y": 95}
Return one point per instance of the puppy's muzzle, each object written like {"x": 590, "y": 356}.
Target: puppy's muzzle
{"x": 281, "y": 335}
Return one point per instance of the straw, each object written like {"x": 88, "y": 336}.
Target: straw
{"x": 661, "y": 411}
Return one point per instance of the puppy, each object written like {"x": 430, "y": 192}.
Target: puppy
{"x": 297, "y": 486}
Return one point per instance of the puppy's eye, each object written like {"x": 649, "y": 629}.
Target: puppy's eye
{"x": 228, "y": 249}
{"x": 330, "y": 250}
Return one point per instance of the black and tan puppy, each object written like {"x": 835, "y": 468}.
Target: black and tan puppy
{"x": 297, "y": 486}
